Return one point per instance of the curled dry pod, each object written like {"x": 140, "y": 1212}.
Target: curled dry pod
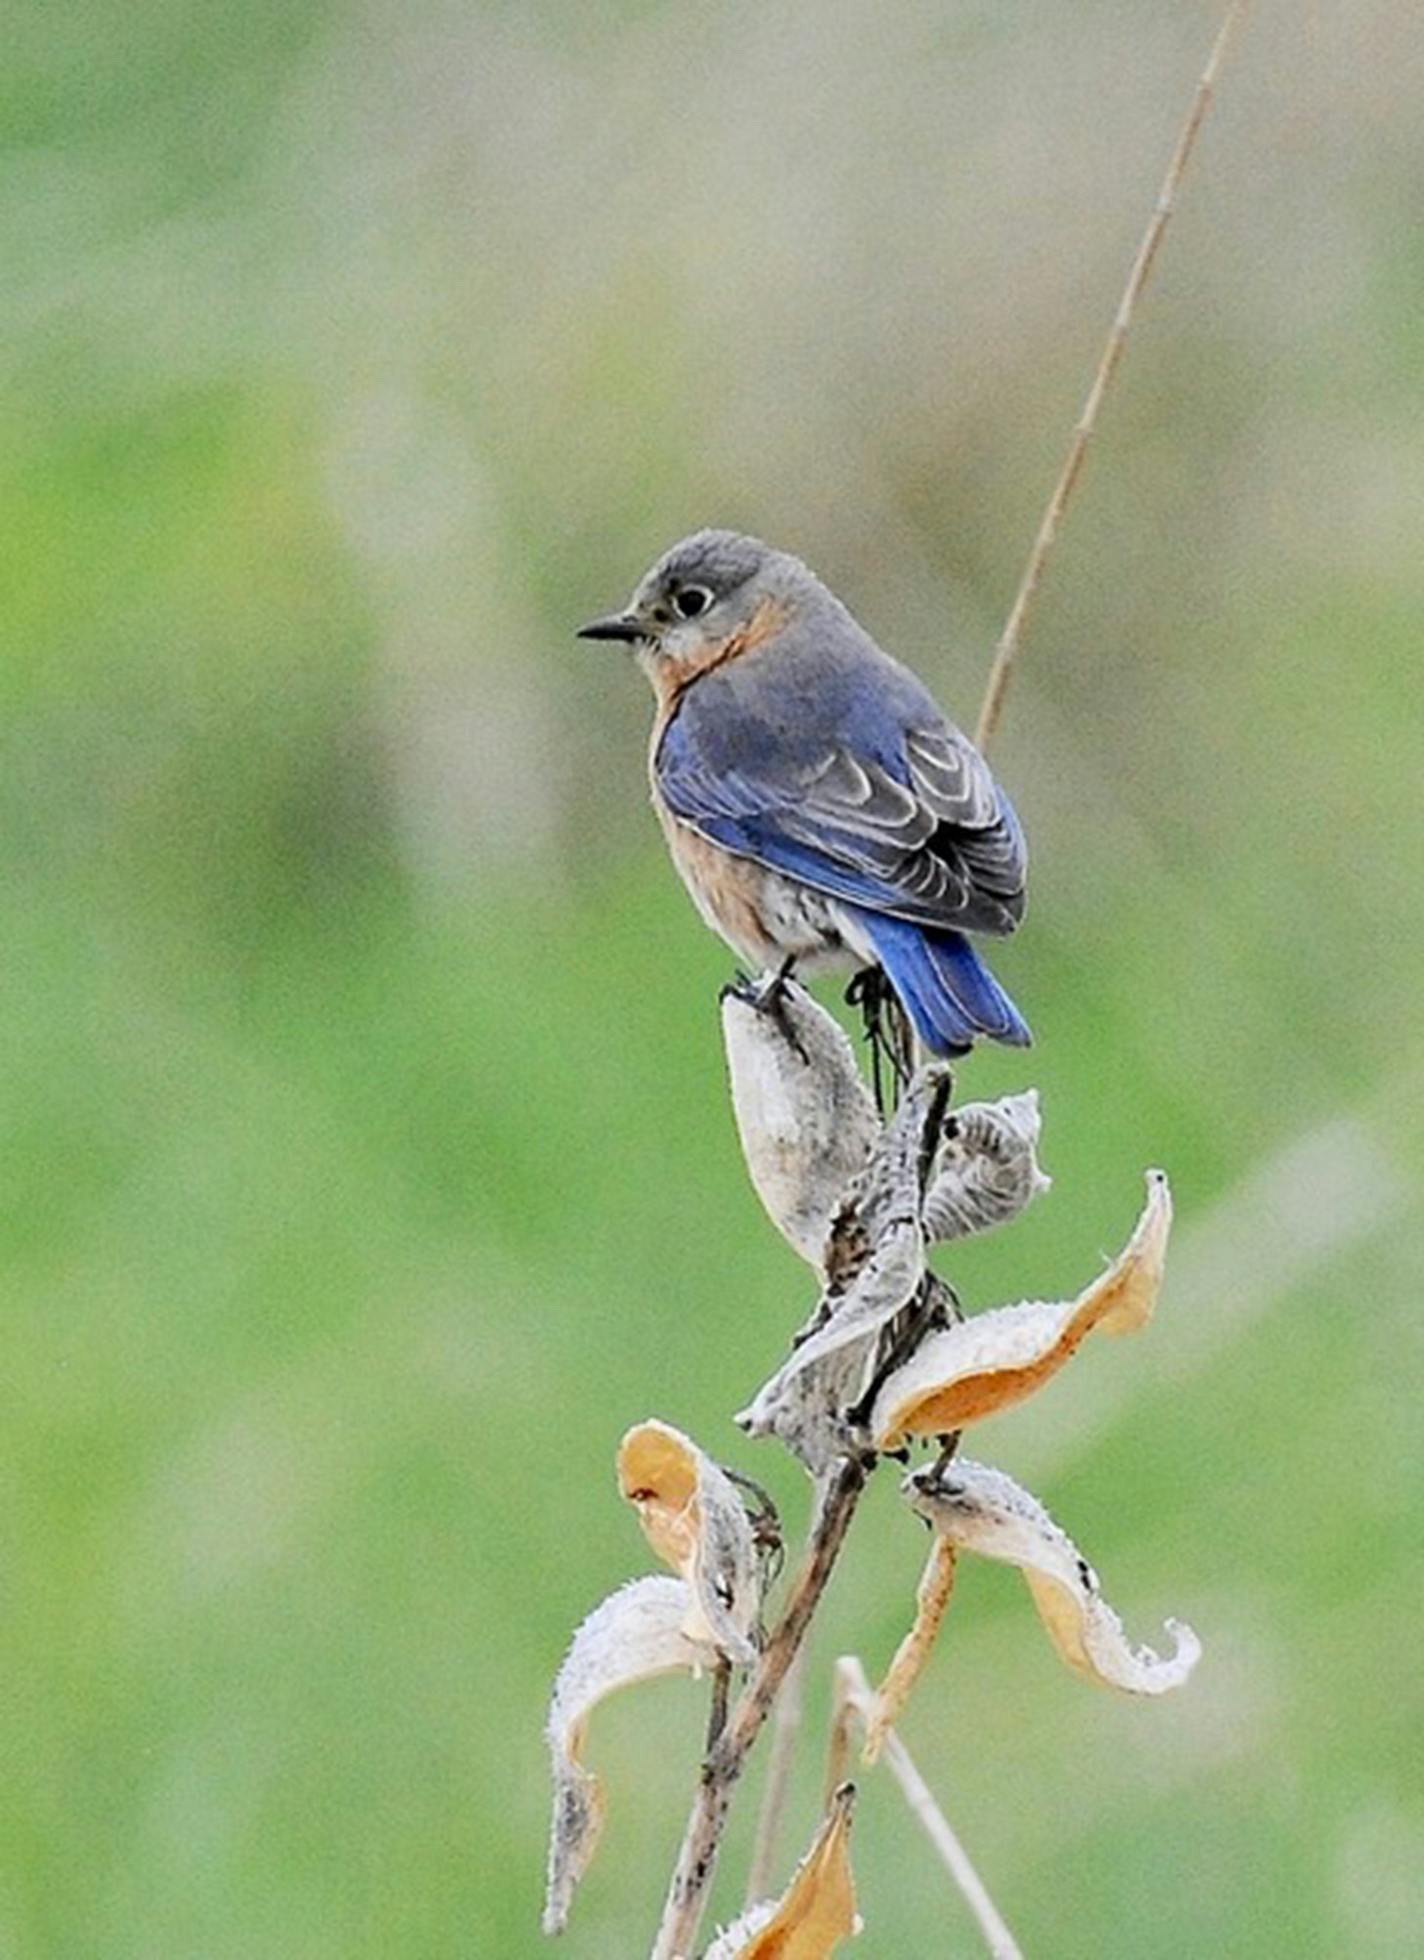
{"x": 805, "y": 1117}
{"x": 875, "y": 1271}
{"x": 808, "y": 1409}
{"x": 978, "y": 1509}
{"x": 636, "y": 1633}
{"x": 817, "y": 1910}
{"x": 882, "y": 1287}
{"x": 696, "y": 1522}
{"x": 992, "y": 1360}
{"x": 879, "y": 1243}
{"x": 987, "y": 1170}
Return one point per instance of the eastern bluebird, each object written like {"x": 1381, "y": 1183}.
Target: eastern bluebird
{"x": 816, "y": 802}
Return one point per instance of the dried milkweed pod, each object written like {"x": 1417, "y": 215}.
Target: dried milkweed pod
{"x": 987, "y": 1169}
{"x": 807, "y": 1411}
{"x": 978, "y": 1509}
{"x": 891, "y": 1188}
{"x": 817, "y": 1910}
{"x": 881, "y": 1218}
{"x": 994, "y": 1359}
{"x": 876, "y": 1275}
{"x": 695, "y": 1521}
{"x": 815, "y": 1410}
{"x": 636, "y": 1633}
{"x": 805, "y": 1117}
{"x": 883, "y": 1286}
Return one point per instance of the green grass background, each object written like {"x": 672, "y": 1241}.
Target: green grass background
{"x": 365, "y": 1158}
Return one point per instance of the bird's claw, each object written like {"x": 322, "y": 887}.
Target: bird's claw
{"x": 771, "y": 995}
{"x": 742, "y": 987}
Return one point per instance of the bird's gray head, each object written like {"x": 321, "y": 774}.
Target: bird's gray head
{"x": 699, "y": 595}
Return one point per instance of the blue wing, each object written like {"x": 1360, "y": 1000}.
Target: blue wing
{"x": 858, "y": 787}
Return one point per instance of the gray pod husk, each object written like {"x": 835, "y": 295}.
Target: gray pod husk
{"x": 806, "y": 1120}
{"x": 987, "y": 1169}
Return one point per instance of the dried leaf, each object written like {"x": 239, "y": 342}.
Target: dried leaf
{"x": 636, "y": 1633}
{"x": 981, "y": 1510}
{"x": 992, "y": 1360}
{"x": 805, "y": 1117}
{"x": 987, "y": 1170}
{"x": 817, "y": 1910}
{"x": 931, "y": 1604}
{"x": 695, "y": 1521}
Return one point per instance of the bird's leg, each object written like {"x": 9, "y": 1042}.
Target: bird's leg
{"x": 775, "y": 988}
{"x": 886, "y": 1030}
{"x": 864, "y": 993}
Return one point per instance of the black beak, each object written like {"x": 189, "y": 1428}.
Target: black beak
{"x": 616, "y": 626}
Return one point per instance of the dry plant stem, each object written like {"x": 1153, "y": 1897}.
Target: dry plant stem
{"x": 1006, "y": 653}
{"x": 843, "y": 1716}
{"x": 721, "y": 1695}
{"x": 785, "y": 1732}
{"x": 854, "y": 1698}
{"x": 697, "y": 1861}
{"x": 931, "y": 1603}
{"x": 932, "y": 1820}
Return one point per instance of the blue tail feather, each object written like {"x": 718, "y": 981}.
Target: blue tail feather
{"x": 944, "y": 986}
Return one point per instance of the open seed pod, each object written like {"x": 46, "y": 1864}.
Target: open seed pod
{"x": 987, "y": 1168}
{"x": 636, "y": 1633}
{"x": 876, "y": 1267}
{"x": 978, "y": 1509}
{"x": 817, "y": 1910}
{"x": 811, "y": 1409}
{"x": 987, "y": 1363}
{"x": 884, "y": 1285}
{"x": 695, "y": 1521}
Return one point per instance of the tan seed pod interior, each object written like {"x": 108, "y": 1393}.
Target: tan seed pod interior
{"x": 815, "y": 1913}
{"x": 989, "y": 1362}
{"x": 979, "y": 1509}
{"x": 694, "y": 1520}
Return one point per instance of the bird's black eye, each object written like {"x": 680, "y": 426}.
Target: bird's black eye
{"x": 692, "y": 601}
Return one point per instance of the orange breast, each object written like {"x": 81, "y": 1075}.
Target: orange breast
{"x": 726, "y": 890}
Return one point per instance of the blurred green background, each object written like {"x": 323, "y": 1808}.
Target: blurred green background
{"x": 367, "y": 1162}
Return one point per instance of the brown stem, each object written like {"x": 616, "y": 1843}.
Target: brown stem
{"x": 1006, "y": 653}
{"x": 855, "y": 1699}
{"x": 697, "y": 1861}
{"x": 785, "y": 1730}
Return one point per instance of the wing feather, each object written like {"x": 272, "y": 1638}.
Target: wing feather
{"x": 917, "y": 829}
